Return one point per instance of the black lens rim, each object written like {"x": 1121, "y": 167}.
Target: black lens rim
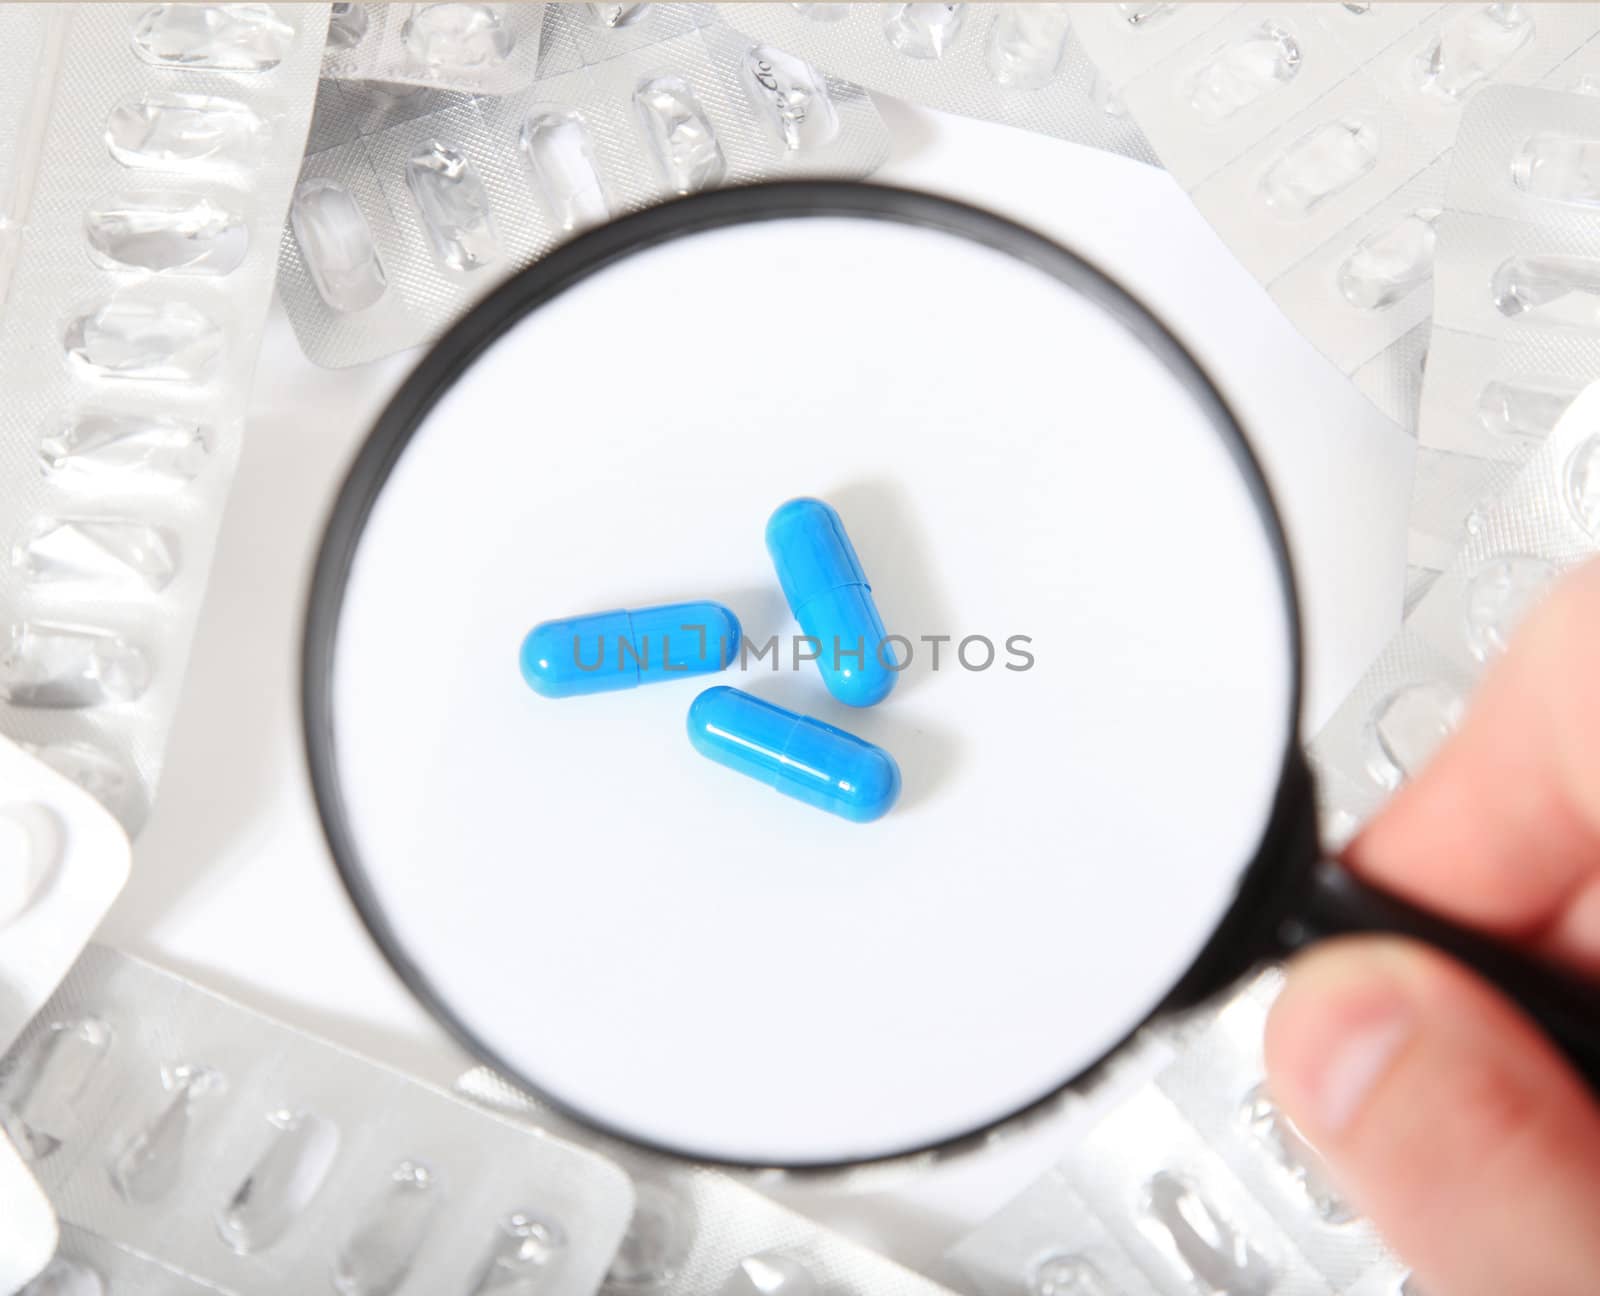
{"x": 1240, "y": 939}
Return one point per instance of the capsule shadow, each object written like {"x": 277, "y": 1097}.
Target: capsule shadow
{"x": 928, "y": 758}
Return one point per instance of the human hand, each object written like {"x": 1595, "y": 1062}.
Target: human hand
{"x": 1444, "y": 1113}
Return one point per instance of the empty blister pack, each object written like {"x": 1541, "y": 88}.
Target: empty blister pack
{"x": 574, "y": 36}
{"x": 63, "y": 860}
{"x": 85, "y": 1264}
{"x": 1414, "y": 694}
{"x": 1450, "y": 494}
{"x": 1218, "y": 1082}
{"x": 1193, "y": 1182}
{"x": 1517, "y": 305}
{"x": 1021, "y": 64}
{"x": 393, "y": 234}
{"x": 1315, "y": 138}
{"x": 491, "y": 48}
{"x": 479, "y": 48}
{"x": 141, "y": 261}
{"x": 1046, "y": 1242}
{"x": 262, "y": 1160}
{"x": 699, "y": 1232}
{"x": 1173, "y": 1207}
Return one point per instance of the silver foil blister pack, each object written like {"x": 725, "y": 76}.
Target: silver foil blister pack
{"x": 1193, "y": 1182}
{"x": 1046, "y": 1242}
{"x": 147, "y": 154}
{"x": 63, "y": 861}
{"x": 1021, "y": 64}
{"x": 699, "y": 1232}
{"x": 491, "y": 48}
{"x": 1218, "y": 1084}
{"x": 393, "y": 234}
{"x": 1517, "y": 304}
{"x": 1316, "y": 139}
{"x": 258, "y": 1159}
{"x": 479, "y": 48}
{"x": 1167, "y": 1200}
{"x": 1413, "y": 695}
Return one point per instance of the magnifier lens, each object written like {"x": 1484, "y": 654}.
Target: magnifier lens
{"x": 1091, "y": 724}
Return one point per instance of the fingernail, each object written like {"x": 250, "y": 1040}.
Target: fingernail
{"x": 1360, "y": 1050}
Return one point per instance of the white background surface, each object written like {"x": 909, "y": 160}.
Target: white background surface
{"x": 1012, "y": 884}
{"x": 231, "y": 880}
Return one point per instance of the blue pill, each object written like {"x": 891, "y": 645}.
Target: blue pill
{"x": 831, "y": 599}
{"x": 605, "y": 651}
{"x": 801, "y": 757}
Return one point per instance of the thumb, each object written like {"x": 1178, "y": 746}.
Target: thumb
{"x": 1445, "y": 1115}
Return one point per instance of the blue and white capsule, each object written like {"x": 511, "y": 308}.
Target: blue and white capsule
{"x": 832, "y": 600}
{"x": 801, "y": 757}
{"x": 606, "y": 651}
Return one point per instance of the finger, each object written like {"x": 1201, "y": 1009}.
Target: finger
{"x": 1445, "y": 1116}
{"x": 1502, "y": 829}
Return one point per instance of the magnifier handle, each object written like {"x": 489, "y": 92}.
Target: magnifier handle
{"x": 1564, "y": 1005}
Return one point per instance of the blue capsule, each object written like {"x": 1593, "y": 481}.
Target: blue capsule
{"x": 605, "y": 651}
{"x": 831, "y": 599}
{"x": 801, "y": 757}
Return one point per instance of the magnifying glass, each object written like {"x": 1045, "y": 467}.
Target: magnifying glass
{"x": 1105, "y": 812}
